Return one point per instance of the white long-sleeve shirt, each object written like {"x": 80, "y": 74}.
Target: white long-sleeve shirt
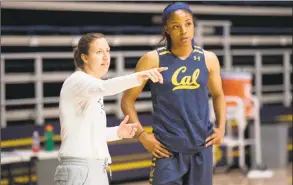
{"x": 84, "y": 133}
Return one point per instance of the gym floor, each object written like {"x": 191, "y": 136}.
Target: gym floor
{"x": 281, "y": 177}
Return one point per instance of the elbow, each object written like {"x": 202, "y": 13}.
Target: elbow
{"x": 126, "y": 102}
{"x": 219, "y": 97}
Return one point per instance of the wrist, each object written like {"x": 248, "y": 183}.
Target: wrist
{"x": 119, "y": 134}
{"x": 139, "y": 77}
{"x": 222, "y": 129}
{"x": 141, "y": 135}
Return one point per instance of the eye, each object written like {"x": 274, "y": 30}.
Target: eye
{"x": 188, "y": 24}
{"x": 99, "y": 52}
{"x": 175, "y": 27}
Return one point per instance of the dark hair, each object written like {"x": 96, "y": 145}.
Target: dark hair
{"x": 165, "y": 36}
{"x": 83, "y": 47}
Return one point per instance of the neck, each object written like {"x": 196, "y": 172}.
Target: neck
{"x": 181, "y": 50}
{"x": 90, "y": 72}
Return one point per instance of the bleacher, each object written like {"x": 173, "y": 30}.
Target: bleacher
{"x": 38, "y": 39}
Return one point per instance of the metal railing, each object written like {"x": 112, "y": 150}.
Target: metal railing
{"x": 142, "y": 40}
{"x": 257, "y": 67}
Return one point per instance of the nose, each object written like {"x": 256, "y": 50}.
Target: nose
{"x": 106, "y": 55}
{"x": 183, "y": 30}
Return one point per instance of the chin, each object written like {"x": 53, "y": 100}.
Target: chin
{"x": 104, "y": 72}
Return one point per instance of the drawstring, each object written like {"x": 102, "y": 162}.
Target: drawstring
{"x": 106, "y": 166}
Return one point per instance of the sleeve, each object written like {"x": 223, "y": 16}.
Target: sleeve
{"x": 85, "y": 85}
{"x": 112, "y": 134}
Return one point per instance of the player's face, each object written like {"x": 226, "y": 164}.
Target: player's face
{"x": 180, "y": 27}
{"x": 98, "y": 58}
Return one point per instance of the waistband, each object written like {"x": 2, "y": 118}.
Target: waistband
{"x": 77, "y": 160}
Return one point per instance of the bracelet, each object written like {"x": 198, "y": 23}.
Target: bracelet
{"x": 140, "y": 134}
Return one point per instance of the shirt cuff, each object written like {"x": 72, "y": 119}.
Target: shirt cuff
{"x": 112, "y": 134}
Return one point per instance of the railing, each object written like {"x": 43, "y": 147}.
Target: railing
{"x": 257, "y": 67}
{"x": 142, "y": 40}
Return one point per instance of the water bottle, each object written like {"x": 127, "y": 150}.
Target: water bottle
{"x": 49, "y": 138}
{"x": 36, "y": 142}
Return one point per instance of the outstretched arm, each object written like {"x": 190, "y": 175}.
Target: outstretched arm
{"x": 82, "y": 84}
{"x": 86, "y": 86}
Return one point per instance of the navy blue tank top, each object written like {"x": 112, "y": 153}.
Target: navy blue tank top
{"x": 181, "y": 103}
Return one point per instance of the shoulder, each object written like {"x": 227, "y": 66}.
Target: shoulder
{"x": 149, "y": 60}
{"x": 211, "y": 60}
{"x": 151, "y": 55}
{"x": 77, "y": 78}
{"x": 162, "y": 51}
{"x": 210, "y": 55}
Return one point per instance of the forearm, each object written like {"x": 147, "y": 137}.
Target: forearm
{"x": 220, "y": 110}
{"x": 119, "y": 84}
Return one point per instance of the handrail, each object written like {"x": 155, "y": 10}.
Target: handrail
{"x": 39, "y": 77}
{"x": 140, "y": 40}
{"x": 67, "y": 55}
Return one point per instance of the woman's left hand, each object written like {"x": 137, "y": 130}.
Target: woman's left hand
{"x": 127, "y": 130}
{"x": 216, "y": 138}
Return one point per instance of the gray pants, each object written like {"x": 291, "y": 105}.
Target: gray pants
{"x": 73, "y": 171}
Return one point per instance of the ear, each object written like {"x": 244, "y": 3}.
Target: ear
{"x": 166, "y": 29}
{"x": 84, "y": 58}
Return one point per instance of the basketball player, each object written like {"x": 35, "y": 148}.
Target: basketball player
{"x": 182, "y": 137}
{"x": 84, "y": 152}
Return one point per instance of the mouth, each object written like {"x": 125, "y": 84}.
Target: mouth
{"x": 184, "y": 39}
{"x": 105, "y": 64}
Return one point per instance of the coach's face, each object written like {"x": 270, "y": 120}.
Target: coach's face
{"x": 98, "y": 58}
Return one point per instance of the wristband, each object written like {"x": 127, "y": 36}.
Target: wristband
{"x": 140, "y": 134}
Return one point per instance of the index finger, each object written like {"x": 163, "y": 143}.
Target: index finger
{"x": 160, "y": 69}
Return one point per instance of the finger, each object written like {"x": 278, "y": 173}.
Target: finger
{"x": 161, "y": 154}
{"x": 134, "y": 129}
{"x": 159, "y": 75}
{"x": 164, "y": 151}
{"x": 209, "y": 143}
{"x": 135, "y": 125}
{"x": 132, "y": 133}
{"x": 150, "y": 76}
{"x": 160, "y": 69}
{"x": 125, "y": 120}
{"x": 161, "y": 145}
{"x": 156, "y": 155}
{"x": 153, "y": 74}
{"x": 210, "y": 137}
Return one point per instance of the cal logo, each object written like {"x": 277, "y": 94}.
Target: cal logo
{"x": 187, "y": 82}
{"x": 197, "y": 58}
